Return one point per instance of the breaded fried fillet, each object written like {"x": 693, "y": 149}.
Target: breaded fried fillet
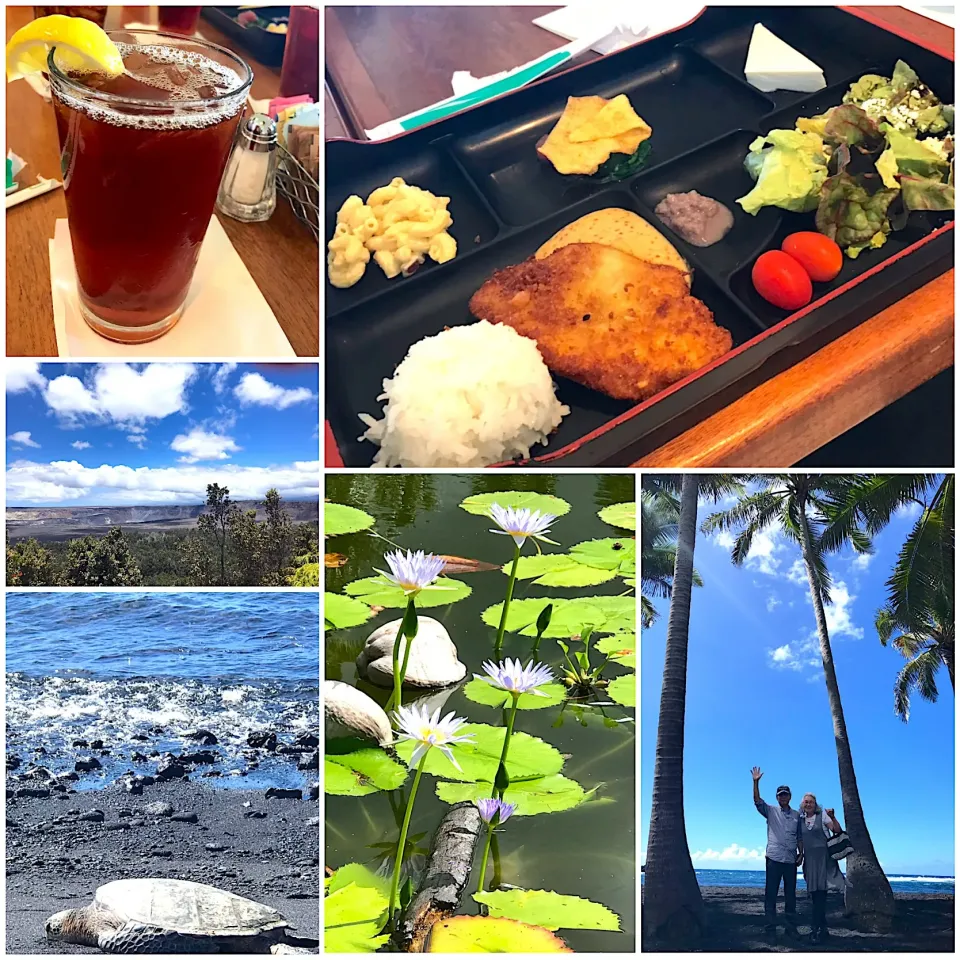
{"x": 605, "y": 319}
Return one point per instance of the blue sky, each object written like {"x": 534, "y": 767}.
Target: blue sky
{"x": 120, "y": 433}
{"x": 756, "y": 696}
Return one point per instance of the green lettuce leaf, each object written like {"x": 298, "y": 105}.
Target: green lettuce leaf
{"x": 790, "y": 171}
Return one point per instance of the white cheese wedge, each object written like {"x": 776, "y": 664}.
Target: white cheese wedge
{"x": 775, "y": 65}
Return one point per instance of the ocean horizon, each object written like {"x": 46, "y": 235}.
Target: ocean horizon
{"x": 901, "y": 883}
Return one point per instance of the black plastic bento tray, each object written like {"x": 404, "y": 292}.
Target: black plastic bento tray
{"x": 689, "y": 86}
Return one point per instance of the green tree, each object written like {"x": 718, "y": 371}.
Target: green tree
{"x": 246, "y": 547}
{"x": 215, "y": 523}
{"x": 918, "y": 619}
{"x": 805, "y": 508}
{"x": 29, "y": 565}
{"x": 672, "y": 904}
{"x": 277, "y": 539}
{"x": 101, "y": 562}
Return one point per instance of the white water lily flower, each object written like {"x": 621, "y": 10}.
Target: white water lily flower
{"x": 428, "y": 731}
{"x": 412, "y": 571}
{"x": 521, "y": 523}
{"x": 516, "y": 679}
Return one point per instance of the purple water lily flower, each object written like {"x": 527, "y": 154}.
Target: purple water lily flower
{"x": 412, "y": 571}
{"x": 495, "y": 811}
{"x": 512, "y": 676}
{"x": 521, "y": 523}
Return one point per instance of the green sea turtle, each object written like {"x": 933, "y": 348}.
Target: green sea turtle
{"x": 152, "y": 915}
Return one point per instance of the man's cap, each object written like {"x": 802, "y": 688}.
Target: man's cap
{"x": 783, "y": 788}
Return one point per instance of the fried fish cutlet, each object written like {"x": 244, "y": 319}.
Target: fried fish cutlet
{"x": 605, "y": 319}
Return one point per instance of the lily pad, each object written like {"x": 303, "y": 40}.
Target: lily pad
{"x": 378, "y": 592}
{"x": 550, "y": 910}
{"x": 541, "y": 795}
{"x": 558, "y": 570}
{"x": 528, "y": 757}
{"x": 353, "y": 917}
{"x": 361, "y": 772}
{"x": 491, "y": 935}
{"x": 609, "y": 553}
{"x": 620, "y": 515}
{"x": 619, "y": 613}
{"x": 479, "y": 691}
{"x": 480, "y": 503}
{"x": 359, "y": 874}
{"x": 621, "y": 648}
{"x": 624, "y": 690}
{"x": 569, "y": 616}
{"x": 340, "y": 611}
{"x": 339, "y": 518}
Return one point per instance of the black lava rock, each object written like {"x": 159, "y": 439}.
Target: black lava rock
{"x": 185, "y": 818}
{"x": 201, "y": 756}
{"x": 311, "y": 763}
{"x": 255, "y": 814}
{"x": 13, "y": 761}
{"x": 170, "y": 768}
{"x": 263, "y": 740}
{"x": 307, "y": 740}
{"x": 278, "y": 793}
{"x": 36, "y": 793}
{"x": 92, "y": 816}
{"x": 86, "y": 764}
{"x": 204, "y": 737}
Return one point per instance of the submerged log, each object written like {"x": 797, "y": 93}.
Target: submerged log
{"x": 445, "y": 879}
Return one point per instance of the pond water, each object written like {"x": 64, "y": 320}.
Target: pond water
{"x": 588, "y": 851}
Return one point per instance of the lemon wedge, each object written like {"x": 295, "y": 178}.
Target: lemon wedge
{"x": 82, "y": 47}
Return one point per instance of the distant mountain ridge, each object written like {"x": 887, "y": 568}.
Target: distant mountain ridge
{"x": 299, "y": 511}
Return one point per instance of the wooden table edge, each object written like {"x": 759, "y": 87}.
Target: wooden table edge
{"x": 909, "y": 342}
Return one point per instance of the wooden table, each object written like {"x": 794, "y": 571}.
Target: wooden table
{"x": 383, "y": 62}
{"x": 281, "y": 254}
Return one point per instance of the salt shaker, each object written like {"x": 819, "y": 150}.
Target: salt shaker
{"x": 248, "y": 190}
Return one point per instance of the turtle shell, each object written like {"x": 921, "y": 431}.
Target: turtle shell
{"x": 188, "y": 907}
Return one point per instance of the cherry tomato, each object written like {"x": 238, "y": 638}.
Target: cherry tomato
{"x": 780, "y": 280}
{"x": 817, "y": 254}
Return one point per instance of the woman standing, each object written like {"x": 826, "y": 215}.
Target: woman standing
{"x": 820, "y": 871}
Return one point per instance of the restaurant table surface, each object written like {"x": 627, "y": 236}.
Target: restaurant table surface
{"x": 385, "y": 61}
{"x": 280, "y": 254}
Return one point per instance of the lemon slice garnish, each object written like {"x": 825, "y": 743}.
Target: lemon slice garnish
{"x": 82, "y": 47}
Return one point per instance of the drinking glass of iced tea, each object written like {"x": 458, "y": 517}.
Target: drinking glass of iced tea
{"x": 142, "y": 155}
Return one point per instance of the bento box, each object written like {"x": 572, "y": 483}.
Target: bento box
{"x": 689, "y": 86}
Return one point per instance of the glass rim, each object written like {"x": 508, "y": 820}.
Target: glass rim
{"x": 78, "y": 87}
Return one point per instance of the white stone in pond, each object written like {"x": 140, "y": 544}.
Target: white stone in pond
{"x": 433, "y": 656}
{"x": 349, "y": 712}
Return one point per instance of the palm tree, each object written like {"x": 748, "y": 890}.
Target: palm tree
{"x": 918, "y": 617}
{"x": 804, "y": 507}
{"x": 658, "y": 551}
{"x": 672, "y": 904}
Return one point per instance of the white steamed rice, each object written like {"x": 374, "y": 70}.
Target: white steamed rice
{"x": 469, "y": 396}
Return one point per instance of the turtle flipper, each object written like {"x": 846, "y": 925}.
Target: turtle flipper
{"x": 144, "y": 938}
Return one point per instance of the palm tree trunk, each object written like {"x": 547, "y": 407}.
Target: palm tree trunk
{"x": 868, "y": 896}
{"x": 672, "y": 904}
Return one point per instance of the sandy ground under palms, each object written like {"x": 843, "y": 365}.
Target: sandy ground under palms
{"x": 925, "y": 923}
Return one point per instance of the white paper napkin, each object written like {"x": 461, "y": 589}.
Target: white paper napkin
{"x": 628, "y": 22}
{"x": 225, "y": 314}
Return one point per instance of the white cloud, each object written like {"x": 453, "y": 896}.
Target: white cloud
{"x": 23, "y": 375}
{"x": 23, "y": 439}
{"x": 785, "y": 658}
{"x": 731, "y": 854}
{"x": 798, "y": 573}
{"x": 119, "y": 393}
{"x": 839, "y": 613}
{"x": 80, "y": 445}
{"x": 221, "y": 375}
{"x": 861, "y": 561}
{"x": 724, "y": 538}
{"x": 66, "y": 480}
{"x": 138, "y": 439}
{"x": 253, "y": 388}
{"x": 199, "y": 444}
{"x": 763, "y": 550}
{"x": 772, "y": 603}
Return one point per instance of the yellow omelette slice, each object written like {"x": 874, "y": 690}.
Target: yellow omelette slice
{"x": 616, "y": 118}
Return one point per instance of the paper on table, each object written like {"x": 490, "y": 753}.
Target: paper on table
{"x": 225, "y": 315}
{"x": 628, "y": 22}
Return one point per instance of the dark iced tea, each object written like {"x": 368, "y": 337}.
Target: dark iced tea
{"x": 142, "y": 156}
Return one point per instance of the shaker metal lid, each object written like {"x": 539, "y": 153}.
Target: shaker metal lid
{"x": 260, "y": 133}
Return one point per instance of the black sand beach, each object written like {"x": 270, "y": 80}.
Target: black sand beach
{"x": 59, "y": 851}
{"x": 925, "y": 923}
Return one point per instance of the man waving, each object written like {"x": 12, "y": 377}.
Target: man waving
{"x": 784, "y": 855}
